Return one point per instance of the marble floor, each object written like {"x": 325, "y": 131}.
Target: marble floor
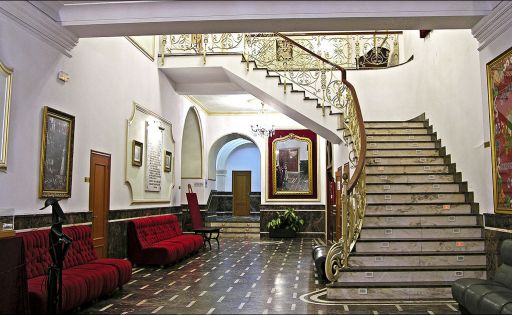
{"x": 264, "y": 276}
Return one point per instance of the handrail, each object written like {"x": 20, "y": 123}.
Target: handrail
{"x": 362, "y": 132}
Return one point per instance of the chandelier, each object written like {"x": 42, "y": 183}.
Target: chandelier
{"x": 260, "y": 130}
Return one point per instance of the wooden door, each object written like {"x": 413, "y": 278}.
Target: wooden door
{"x": 241, "y": 189}
{"x": 99, "y": 200}
{"x": 290, "y": 157}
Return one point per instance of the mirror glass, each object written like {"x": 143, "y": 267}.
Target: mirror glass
{"x": 292, "y": 165}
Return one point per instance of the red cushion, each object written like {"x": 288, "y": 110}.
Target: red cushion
{"x": 106, "y": 276}
{"x": 191, "y": 242}
{"x": 74, "y": 293}
{"x": 124, "y": 268}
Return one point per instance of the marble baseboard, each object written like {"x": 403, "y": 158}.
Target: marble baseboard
{"x": 314, "y": 221}
{"x": 35, "y": 221}
{"x": 221, "y": 202}
{"x": 494, "y": 238}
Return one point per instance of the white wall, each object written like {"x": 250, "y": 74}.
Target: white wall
{"x": 244, "y": 158}
{"x": 443, "y": 81}
{"x": 488, "y": 53}
{"x": 107, "y": 75}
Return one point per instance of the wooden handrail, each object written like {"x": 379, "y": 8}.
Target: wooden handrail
{"x": 359, "y": 116}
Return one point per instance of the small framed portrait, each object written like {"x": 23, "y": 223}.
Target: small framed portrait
{"x": 167, "y": 161}
{"x": 137, "y": 150}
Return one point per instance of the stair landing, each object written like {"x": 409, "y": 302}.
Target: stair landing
{"x": 247, "y": 227}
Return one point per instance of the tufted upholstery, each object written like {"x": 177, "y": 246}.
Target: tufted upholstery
{"x": 84, "y": 277}
{"x": 159, "y": 240}
{"x": 477, "y": 296}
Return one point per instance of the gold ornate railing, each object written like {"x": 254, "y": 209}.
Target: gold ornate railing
{"x": 320, "y": 78}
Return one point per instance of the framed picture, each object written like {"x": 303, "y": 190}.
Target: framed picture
{"x": 137, "y": 150}
{"x": 5, "y": 101}
{"x": 499, "y": 88}
{"x": 56, "y": 165}
{"x": 167, "y": 161}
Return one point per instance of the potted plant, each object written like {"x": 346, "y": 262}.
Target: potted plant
{"x": 286, "y": 224}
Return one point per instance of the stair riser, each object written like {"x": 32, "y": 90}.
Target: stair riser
{"x": 405, "y": 160}
{"x": 240, "y": 230}
{"x": 389, "y": 293}
{"x": 445, "y": 233}
{"x": 234, "y": 224}
{"x": 396, "y": 131}
{"x": 406, "y": 169}
{"x": 413, "y": 188}
{"x": 394, "y": 124}
{"x": 241, "y": 235}
{"x": 409, "y": 276}
{"x": 415, "y": 198}
{"x": 420, "y": 246}
{"x": 409, "y": 138}
{"x": 418, "y": 221}
{"x": 416, "y": 209}
{"x": 408, "y": 179}
{"x": 447, "y": 260}
{"x": 383, "y": 153}
{"x": 402, "y": 145}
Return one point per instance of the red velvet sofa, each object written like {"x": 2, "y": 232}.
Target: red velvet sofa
{"x": 159, "y": 240}
{"x": 84, "y": 277}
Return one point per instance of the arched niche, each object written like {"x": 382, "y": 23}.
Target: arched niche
{"x": 215, "y": 148}
{"x": 192, "y": 147}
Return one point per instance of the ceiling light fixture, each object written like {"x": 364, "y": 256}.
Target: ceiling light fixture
{"x": 260, "y": 130}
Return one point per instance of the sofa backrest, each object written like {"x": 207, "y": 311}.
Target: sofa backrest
{"x": 37, "y": 247}
{"x": 152, "y": 230}
{"x": 503, "y": 274}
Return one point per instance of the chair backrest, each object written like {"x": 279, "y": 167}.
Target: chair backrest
{"x": 504, "y": 272}
{"x": 193, "y": 207}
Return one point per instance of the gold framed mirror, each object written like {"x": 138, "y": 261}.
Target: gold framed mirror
{"x": 5, "y": 105}
{"x": 293, "y": 157}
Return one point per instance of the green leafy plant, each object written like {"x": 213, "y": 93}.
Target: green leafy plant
{"x": 286, "y": 220}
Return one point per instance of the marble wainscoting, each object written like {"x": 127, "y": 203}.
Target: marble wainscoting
{"x": 313, "y": 215}
{"x": 35, "y": 221}
{"x": 498, "y": 227}
{"x": 118, "y": 223}
{"x": 221, "y": 203}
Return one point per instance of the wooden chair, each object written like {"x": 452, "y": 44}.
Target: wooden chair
{"x": 197, "y": 220}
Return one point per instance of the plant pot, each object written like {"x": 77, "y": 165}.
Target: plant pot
{"x": 282, "y": 233}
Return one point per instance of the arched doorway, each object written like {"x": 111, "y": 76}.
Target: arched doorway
{"x": 192, "y": 154}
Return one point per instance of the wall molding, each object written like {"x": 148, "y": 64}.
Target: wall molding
{"x": 493, "y": 25}
{"x": 40, "y": 24}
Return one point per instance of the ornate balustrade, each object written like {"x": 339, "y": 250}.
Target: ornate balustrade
{"x": 294, "y": 59}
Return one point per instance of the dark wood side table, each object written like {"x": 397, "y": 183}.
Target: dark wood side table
{"x": 13, "y": 277}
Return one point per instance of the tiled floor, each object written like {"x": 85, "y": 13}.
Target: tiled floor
{"x": 243, "y": 277}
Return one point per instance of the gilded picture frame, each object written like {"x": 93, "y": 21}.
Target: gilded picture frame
{"x": 137, "y": 153}
{"x": 56, "y": 164}
{"x": 499, "y": 88}
{"x": 5, "y": 106}
{"x": 292, "y": 165}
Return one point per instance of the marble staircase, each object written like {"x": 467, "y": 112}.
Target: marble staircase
{"x": 237, "y": 226}
{"x": 422, "y": 229}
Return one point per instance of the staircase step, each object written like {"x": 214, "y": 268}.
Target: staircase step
{"x": 391, "y": 233}
{"x": 420, "y": 221}
{"x": 407, "y": 169}
{"x": 421, "y": 245}
{"x": 396, "y": 131}
{"x": 395, "y": 138}
{"x": 402, "y": 152}
{"x": 417, "y": 209}
{"x": 415, "y": 198}
{"x": 392, "y": 291}
{"x": 394, "y": 124}
{"x": 430, "y": 160}
{"x": 228, "y": 224}
{"x": 385, "y": 259}
{"x": 409, "y": 179}
{"x": 411, "y": 273}
{"x": 412, "y": 188}
{"x": 403, "y": 145}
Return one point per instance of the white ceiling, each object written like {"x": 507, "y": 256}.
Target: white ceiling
{"x": 232, "y": 103}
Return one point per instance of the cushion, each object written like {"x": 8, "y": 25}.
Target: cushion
{"x": 476, "y": 292}
{"x": 494, "y": 303}
{"x": 123, "y": 267}
{"x": 503, "y": 275}
{"x": 106, "y": 276}
{"x": 460, "y": 286}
